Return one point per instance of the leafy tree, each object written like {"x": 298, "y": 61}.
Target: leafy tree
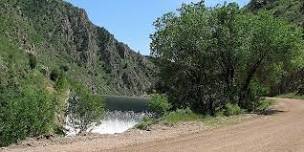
{"x": 292, "y": 11}
{"x": 85, "y": 110}
{"x": 209, "y": 57}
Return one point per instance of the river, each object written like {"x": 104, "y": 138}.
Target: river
{"x": 122, "y": 114}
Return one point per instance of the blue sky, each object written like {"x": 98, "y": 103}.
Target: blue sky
{"x": 131, "y": 20}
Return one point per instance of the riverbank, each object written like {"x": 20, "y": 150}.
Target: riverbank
{"x": 94, "y": 142}
{"x": 279, "y": 131}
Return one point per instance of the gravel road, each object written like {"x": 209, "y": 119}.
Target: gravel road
{"x": 281, "y": 131}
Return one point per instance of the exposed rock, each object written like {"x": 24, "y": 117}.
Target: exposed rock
{"x": 61, "y": 34}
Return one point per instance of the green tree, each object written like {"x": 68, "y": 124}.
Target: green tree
{"x": 211, "y": 57}
{"x": 85, "y": 109}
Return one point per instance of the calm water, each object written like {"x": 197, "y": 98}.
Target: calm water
{"x": 115, "y": 103}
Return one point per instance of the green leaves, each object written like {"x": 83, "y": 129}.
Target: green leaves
{"x": 27, "y": 112}
{"x": 84, "y": 108}
{"x": 210, "y": 56}
{"x": 159, "y": 104}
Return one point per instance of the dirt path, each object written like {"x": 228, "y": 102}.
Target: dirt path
{"x": 283, "y": 131}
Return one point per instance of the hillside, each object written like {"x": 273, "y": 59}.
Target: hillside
{"x": 291, "y": 10}
{"x": 61, "y": 36}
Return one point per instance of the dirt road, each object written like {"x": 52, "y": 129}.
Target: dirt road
{"x": 282, "y": 131}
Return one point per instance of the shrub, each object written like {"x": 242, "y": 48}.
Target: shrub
{"x": 84, "y": 108}
{"x": 159, "y": 104}
{"x": 55, "y": 73}
{"x": 32, "y": 61}
{"x": 64, "y": 68}
{"x": 62, "y": 82}
{"x": 180, "y": 115}
{"x": 145, "y": 123}
{"x": 263, "y": 106}
{"x": 232, "y": 109}
{"x": 27, "y": 113}
{"x": 43, "y": 70}
{"x": 257, "y": 90}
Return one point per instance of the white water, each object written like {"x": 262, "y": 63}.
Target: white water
{"x": 113, "y": 122}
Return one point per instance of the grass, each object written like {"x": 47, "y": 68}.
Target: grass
{"x": 264, "y": 106}
{"x": 181, "y": 115}
{"x": 186, "y": 115}
{"x": 292, "y": 96}
{"x": 146, "y": 123}
{"x": 220, "y": 121}
{"x": 174, "y": 118}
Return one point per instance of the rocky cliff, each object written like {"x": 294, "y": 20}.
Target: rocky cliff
{"x": 61, "y": 36}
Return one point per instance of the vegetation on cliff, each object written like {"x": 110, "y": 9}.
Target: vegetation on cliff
{"x": 46, "y": 48}
{"x": 61, "y": 36}
{"x": 33, "y": 104}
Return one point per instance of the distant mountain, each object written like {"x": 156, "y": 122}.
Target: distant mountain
{"x": 61, "y": 36}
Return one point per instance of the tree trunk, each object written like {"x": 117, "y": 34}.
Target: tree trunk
{"x": 244, "y": 92}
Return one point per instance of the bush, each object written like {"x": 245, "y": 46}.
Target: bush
{"x": 27, "y": 113}
{"x": 263, "y": 106}
{"x": 180, "y": 115}
{"x": 64, "y": 68}
{"x": 232, "y": 109}
{"x": 257, "y": 90}
{"x": 159, "y": 104}
{"x": 145, "y": 123}
{"x": 62, "y": 82}
{"x": 32, "y": 61}
{"x": 43, "y": 70}
{"x": 55, "y": 74}
{"x": 84, "y": 108}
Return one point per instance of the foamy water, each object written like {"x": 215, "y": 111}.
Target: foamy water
{"x": 113, "y": 122}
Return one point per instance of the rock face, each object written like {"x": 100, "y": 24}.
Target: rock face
{"x": 61, "y": 35}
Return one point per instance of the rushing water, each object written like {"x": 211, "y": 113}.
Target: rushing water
{"x": 124, "y": 113}
{"x": 118, "y": 122}
{"x": 113, "y": 122}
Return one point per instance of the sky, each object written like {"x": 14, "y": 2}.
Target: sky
{"x": 131, "y": 21}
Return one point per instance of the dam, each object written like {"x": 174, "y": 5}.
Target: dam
{"x": 122, "y": 114}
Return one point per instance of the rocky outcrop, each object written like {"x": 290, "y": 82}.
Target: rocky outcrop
{"x": 62, "y": 35}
